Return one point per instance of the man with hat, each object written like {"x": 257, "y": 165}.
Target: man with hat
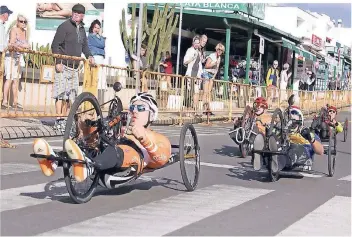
{"x": 70, "y": 39}
{"x": 4, "y": 16}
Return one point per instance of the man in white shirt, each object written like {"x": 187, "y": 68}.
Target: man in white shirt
{"x": 4, "y": 16}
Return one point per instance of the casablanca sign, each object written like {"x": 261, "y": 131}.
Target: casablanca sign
{"x": 253, "y": 9}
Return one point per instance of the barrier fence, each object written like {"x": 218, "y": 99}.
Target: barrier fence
{"x": 33, "y": 94}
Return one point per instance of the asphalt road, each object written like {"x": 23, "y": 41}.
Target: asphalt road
{"x": 231, "y": 198}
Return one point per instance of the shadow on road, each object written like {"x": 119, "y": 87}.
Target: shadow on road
{"x": 229, "y": 151}
{"x": 57, "y": 191}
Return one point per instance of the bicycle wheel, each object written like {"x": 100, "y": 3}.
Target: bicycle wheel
{"x": 186, "y": 157}
{"x": 277, "y": 125}
{"x": 73, "y": 131}
{"x": 345, "y": 130}
{"x": 115, "y": 108}
{"x": 331, "y": 152}
{"x": 244, "y": 147}
{"x": 273, "y": 146}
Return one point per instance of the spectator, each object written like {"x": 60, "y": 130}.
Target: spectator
{"x": 271, "y": 80}
{"x": 14, "y": 60}
{"x": 4, "y": 16}
{"x": 96, "y": 44}
{"x": 273, "y": 74}
{"x": 283, "y": 81}
{"x": 142, "y": 59}
{"x": 193, "y": 62}
{"x": 167, "y": 65}
{"x": 70, "y": 39}
{"x": 311, "y": 81}
{"x": 203, "y": 43}
{"x": 210, "y": 71}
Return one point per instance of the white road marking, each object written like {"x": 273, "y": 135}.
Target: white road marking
{"x": 174, "y": 212}
{"x": 16, "y": 168}
{"x": 331, "y": 218}
{"x": 347, "y": 178}
{"x": 31, "y": 195}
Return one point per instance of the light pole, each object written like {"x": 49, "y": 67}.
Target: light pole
{"x": 139, "y": 44}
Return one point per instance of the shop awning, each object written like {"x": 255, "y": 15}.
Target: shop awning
{"x": 287, "y": 44}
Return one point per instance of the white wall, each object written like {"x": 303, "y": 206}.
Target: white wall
{"x": 283, "y": 18}
{"x": 112, "y": 15}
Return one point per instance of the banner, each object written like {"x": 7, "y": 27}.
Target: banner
{"x": 50, "y": 15}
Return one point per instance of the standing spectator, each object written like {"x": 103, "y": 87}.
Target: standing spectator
{"x": 210, "y": 71}
{"x": 283, "y": 81}
{"x": 70, "y": 39}
{"x": 193, "y": 62}
{"x": 271, "y": 79}
{"x": 167, "y": 67}
{"x": 4, "y": 16}
{"x": 203, "y": 43}
{"x": 19, "y": 40}
{"x": 96, "y": 44}
{"x": 311, "y": 81}
{"x": 273, "y": 74}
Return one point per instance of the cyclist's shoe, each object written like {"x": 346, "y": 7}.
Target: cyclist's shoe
{"x": 257, "y": 158}
{"x": 81, "y": 171}
{"x": 41, "y": 147}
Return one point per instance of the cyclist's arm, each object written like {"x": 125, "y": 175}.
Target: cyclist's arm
{"x": 159, "y": 148}
{"x": 317, "y": 146}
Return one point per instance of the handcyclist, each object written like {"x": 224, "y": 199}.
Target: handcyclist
{"x": 303, "y": 146}
{"x": 322, "y": 127}
{"x": 260, "y": 105}
{"x": 146, "y": 149}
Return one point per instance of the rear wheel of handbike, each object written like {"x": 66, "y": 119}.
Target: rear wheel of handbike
{"x": 73, "y": 121}
{"x": 186, "y": 157}
{"x": 345, "y": 130}
{"x": 244, "y": 147}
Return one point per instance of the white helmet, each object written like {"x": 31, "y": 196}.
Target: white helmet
{"x": 147, "y": 98}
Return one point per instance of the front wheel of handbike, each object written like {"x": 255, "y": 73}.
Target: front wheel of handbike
{"x": 244, "y": 147}
{"x": 76, "y": 113}
{"x": 189, "y": 157}
{"x": 331, "y": 154}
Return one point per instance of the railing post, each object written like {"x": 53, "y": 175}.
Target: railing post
{"x": 182, "y": 98}
{"x": 230, "y": 106}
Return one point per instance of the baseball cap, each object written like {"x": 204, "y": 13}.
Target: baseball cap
{"x": 79, "y": 8}
{"x": 4, "y": 9}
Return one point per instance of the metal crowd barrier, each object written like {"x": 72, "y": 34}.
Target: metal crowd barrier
{"x": 178, "y": 95}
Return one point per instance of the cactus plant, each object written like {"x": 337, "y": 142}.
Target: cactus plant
{"x": 156, "y": 35}
{"x": 38, "y": 60}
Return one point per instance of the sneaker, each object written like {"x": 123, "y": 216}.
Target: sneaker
{"x": 80, "y": 171}
{"x": 257, "y": 158}
{"x": 41, "y": 147}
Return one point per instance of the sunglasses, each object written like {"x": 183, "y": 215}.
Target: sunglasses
{"x": 24, "y": 22}
{"x": 332, "y": 111}
{"x": 140, "y": 108}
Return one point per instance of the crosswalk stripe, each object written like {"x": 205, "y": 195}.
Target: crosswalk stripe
{"x": 31, "y": 195}
{"x": 164, "y": 216}
{"x": 331, "y": 218}
{"x": 15, "y": 168}
{"x": 346, "y": 178}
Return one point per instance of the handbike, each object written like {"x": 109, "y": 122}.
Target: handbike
{"x": 99, "y": 138}
{"x": 246, "y": 133}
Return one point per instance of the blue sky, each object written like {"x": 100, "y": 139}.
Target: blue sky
{"x": 335, "y": 11}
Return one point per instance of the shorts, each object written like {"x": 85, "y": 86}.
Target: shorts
{"x": 13, "y": 69}
{"x": 208, "y": 75}
{"x": 66, "y": 84}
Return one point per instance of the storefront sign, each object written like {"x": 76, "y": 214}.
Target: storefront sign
{"x": 317, "y": 41}
{"x": 253, "y": 9}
